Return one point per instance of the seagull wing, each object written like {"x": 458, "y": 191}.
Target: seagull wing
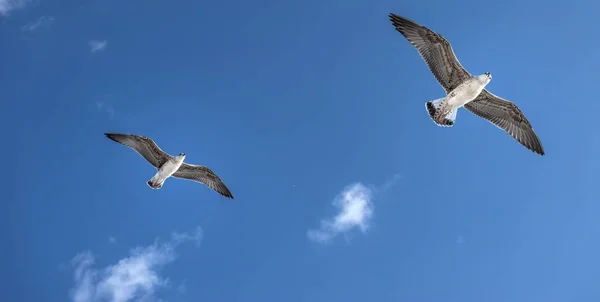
{"x": 506, "y": 116}
{"x": 435, "y": 50}
{"x": 145, "y": 146}
{"x": 203, "y": 175}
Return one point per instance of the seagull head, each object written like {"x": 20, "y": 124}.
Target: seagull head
{"x": 181, "y": 156}
{"x": 485, "y": 78}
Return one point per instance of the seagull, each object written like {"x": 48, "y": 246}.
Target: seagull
{"x": 168, "y": 165}
{"x": 463, "y": 89}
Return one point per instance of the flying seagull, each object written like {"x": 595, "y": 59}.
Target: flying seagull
{"x": 168, "y": 165}
{"x": 462, "y": 88}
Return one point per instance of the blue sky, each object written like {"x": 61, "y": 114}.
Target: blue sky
{"x": 312, "y": 113}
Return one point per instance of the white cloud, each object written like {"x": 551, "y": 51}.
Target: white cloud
{"x": 355, "y": 211}
{"x": 105, "y": 107}
{"x": 8, "y": 5}
{"x": 97, "y": 45}
{"x": 39, "y": 23}
{"x": 134, "y": 278}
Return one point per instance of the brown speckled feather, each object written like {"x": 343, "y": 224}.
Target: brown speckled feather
{"x": 203, "y": 175}
{"x": 435, "y": 50}
{"x": 145, "y": 146}
{"x": 506, "y": 116}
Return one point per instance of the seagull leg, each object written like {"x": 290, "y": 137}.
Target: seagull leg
{"x": 440, "y": 118}
{"x": 442, "y": 115}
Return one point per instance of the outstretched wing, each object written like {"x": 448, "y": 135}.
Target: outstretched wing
{"x": 203, "y": 175}
{"x": 435, "y": 50}
{"x": 145, "y": 146}
{"x": 506, "y": 116}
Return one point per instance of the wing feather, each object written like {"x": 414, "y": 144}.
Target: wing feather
{"x": 435, "y": 50}
{"x": 506, "y": 116}
{"x": 203, "y": 175}
{"x": 145, "y": 146}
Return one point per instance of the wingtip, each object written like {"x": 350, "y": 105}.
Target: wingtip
{"x": 110, "y": 136}
{"x": 393, "y": 17}
{"x": 541, "y": 151}
{"x": 397, "y": 19}
{"x": 537, "y": 146}
{"x": 402, "y": 24}
{"x": 537, "y": 150}
{"x": 224, "y": 191}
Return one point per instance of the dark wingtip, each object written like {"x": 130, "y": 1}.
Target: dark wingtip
{"x": 538, "y": 149}
{"x": 398, "y": 20}
{"x": 111, "y": 136}
{"x": 534, "y": 144}
{"x": 224, "y": 190}
{"x": 394, "y": 18}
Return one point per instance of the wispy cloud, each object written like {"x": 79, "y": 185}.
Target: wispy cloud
{"x": 134, "y": 278}
{"x": 389, "y": 183}
{"x": 9, "y": 5}
{"x": 182, "y": 287}
{"x": 102, "y": 106}
{"x": 41, "y": 22}
{"x": 355, "y": 211}
{"x": 97, "y": 45}
{"x": 112, "y": 240}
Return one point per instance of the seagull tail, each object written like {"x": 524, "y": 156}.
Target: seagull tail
{"x": 432, "y": 109}
{"x": 156, "y": 182}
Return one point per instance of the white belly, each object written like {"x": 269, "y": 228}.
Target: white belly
{"x": 169, "y": 168}
{"x": 464, "y": 93}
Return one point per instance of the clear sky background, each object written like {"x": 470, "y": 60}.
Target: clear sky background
{"x": 313, "y": 114}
